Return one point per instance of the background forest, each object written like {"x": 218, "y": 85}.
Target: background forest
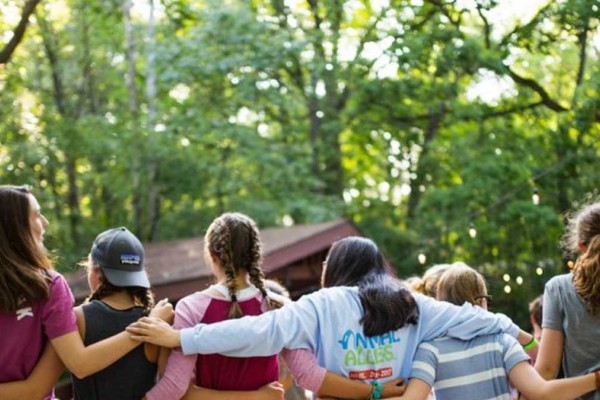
{"x": 428, "y": 123}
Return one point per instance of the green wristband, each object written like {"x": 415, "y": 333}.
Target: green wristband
{"x": 377, "y": 389}
{"x": 530, "y": 345}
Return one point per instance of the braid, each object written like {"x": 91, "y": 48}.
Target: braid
{"x": 235, "y": 311}
{"x": 143, "y": 296}
{"x": 586, "y": 274}
{"x": 218, "y": 241}
{"x": 255, "y": 271}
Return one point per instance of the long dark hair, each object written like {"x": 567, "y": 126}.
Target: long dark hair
{"x": 23, "y": 261}
{"x": 387, "y": 303}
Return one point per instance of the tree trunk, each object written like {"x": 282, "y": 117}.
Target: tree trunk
{"x": 154, "y": 164}
{"x": 70, "y": 141}
{"x": 136, "y": 168}
{"x": 435, "y": 120}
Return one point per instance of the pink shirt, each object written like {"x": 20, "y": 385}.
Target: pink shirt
{"x": 203, "y": 307}
{"x": 25, "y": 331}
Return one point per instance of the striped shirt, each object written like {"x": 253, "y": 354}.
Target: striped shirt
{"x": 468, "y": 370}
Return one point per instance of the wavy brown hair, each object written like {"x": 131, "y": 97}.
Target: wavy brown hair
{"x": 583, "y": 230}
{"x": 233, "y": 239}
{"x": 23, "y": 261}
{"x": 586, "y": 275}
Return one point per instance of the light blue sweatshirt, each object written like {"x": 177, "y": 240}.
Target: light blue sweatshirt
{"x": 327, "y": 323}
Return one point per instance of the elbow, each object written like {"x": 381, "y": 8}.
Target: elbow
{"x": 307, "y": 380}
{"x": 541, "y": 394}
{"x": 80, "y": 374}
{"x": 546, "y": 371}
{"x": 80, "y": 370}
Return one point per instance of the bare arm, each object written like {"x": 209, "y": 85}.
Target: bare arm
{"x": 526, "y": 379}
{"x": 39, "y": 383}
{"x": 340, "y": 387}
{"x": 163, "y": 357}
{"x": 415, "y": 390}
{"x": 550, "y": 353}
{"x": 83, "y": 361}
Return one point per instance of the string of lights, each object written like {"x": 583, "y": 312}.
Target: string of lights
{"x": 529, "y": 185}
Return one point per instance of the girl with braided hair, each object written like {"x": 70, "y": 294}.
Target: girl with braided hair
{"x": 571, "y": 312}
{"x": 233, "y": 248}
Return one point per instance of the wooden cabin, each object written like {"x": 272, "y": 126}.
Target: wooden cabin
{"x": 292, "y": 255}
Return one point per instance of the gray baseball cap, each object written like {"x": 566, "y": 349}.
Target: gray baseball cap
{"x": 120, "y": 254}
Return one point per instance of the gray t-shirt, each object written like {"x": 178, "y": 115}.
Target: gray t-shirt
{"x": 565, "y": 311}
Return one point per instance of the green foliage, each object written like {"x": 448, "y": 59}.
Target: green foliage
{"x": 413, "y": 119}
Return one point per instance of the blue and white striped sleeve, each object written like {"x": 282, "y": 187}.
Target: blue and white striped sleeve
{"x": 425, "y": 363}
{"x": 513, "y": 352}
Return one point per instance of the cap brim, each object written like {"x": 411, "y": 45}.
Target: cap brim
{"x": 127, "y": 278}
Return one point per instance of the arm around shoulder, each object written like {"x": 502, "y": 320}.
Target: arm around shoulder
{"x": 83, "y": 361}
{"x": 39, "y": 383}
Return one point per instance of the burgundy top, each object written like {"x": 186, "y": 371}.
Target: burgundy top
{"x": 230, "y": 373}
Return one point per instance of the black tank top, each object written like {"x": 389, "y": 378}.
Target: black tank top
{"x": 127, "y": 379}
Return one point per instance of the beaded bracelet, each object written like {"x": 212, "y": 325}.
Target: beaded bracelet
{"x": 530, "y": 345}
{"x": 376, "y": 392}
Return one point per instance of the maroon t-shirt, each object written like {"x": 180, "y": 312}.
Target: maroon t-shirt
{"x": 25, "y": 332}
{"x": 232, "y": 373}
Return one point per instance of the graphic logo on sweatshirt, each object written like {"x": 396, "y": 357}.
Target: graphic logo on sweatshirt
{"x": 362, "y": 350}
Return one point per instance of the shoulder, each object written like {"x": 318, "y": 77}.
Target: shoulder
{"x": 508, "y": 340}
{"x": 560, "y": 281}
{"x": 193, "y": 301}
{"x": 333, "y": 298}
{"x": 279, "y": 298}
{"x": 57, "y": 282}
{"x": 55, "y": 278}
{"x": 191, "y": 309}
{"x": 431, "y": 345}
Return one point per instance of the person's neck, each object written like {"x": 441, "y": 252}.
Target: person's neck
{"x": 119, "y": 300}
{"x": 241, "y": 281}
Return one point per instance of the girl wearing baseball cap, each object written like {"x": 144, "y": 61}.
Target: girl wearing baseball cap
{"x": 120, "y": 294}
{"x": 36, "y": 307}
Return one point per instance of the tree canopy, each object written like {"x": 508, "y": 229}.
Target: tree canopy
{"x": 429, "y": 123}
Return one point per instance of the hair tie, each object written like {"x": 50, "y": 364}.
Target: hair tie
{"x": 233, "y": 297}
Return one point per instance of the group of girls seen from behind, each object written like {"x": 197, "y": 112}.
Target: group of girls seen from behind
{"x": 360, "y": 336}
